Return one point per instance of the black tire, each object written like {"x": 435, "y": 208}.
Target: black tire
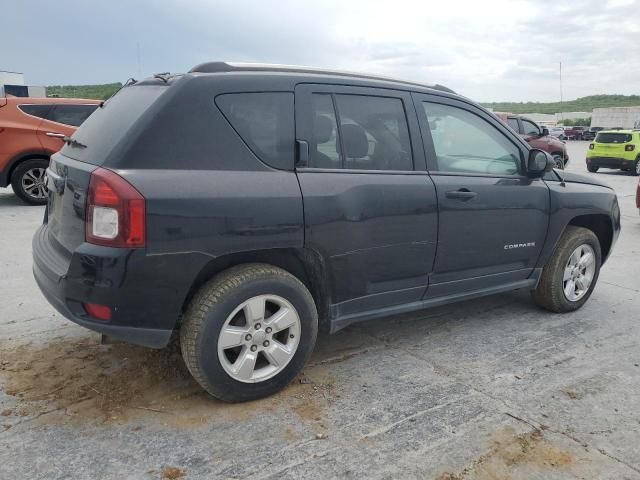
{"x": 20, "y": 172}
{"x": 592, "y": 169}
{"x": 216, "y": 301}
{"x": 635, "y": 170}
{"x": 549, "y": 293}
{"x": 559, "y": 160}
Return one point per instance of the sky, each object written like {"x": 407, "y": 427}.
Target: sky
{"x": 488, "y": 50}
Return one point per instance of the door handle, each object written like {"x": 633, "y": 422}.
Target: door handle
{"x": 55, "y": 134}
{"x": 461, "y": 194}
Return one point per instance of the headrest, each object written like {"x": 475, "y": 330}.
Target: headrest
{"x": 355, "y": 141}
{"x": 323, "y": 128}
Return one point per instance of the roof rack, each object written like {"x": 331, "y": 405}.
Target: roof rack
{"x": 219, "y": 67}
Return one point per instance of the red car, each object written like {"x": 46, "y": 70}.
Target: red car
{"x": 31, "y": 130}
{"x": 537, "y": 137}
{"x": 638, "y": 196}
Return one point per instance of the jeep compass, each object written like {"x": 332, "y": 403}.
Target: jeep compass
{"x": 248, "y": 206}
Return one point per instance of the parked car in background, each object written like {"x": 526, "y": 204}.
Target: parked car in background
{"x": 591, "y": 133}
{"x": 574, "y": 133}
{"x": 537, "y": 137}
{"x": 31, "y": 130}
{"x": 557, "y": 132}
{"x": 619, "y": 149}
{"x": 250, "y": 206}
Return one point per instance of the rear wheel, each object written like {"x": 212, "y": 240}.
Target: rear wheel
{"x": 29, "y": 183}
{"x": 636, "y": 168}
{"x": 569, "y": 277}
{"x": 592, "y": 169}
{"x": 248, "y": 332}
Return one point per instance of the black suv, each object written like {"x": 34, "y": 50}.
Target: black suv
{"x": 248, "y": 206}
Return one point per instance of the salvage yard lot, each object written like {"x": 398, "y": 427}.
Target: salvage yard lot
{"x": 489, "y": 388}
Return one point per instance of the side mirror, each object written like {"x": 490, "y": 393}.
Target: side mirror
{"x": 539, "y": 162}
{"x": 545, "y": 132}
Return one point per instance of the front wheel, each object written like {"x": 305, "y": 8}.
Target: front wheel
{"x": 569, "y": 277}
{"x": 29, "y": 182}
{"x": 248, "y": 332}
{"x": 559, "y": 160}
{"x": 592, "y": 169}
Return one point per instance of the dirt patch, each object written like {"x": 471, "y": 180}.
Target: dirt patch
{"x": 509, "y": 452}
{"x": 172, "y": 473}
{"x": 572, "y": 394}
{"x": 81, "y": 381}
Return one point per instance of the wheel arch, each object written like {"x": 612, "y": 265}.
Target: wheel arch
{"x": 13, "y": 164}
{"x": 600, "y": 224}
{"x": 305, "y": 264}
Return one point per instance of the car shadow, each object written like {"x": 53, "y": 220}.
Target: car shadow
{"x": 9, "y": 199}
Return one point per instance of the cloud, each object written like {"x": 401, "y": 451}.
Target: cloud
{"x": 491, "y": 50}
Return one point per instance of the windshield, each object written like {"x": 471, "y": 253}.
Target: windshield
{"x": 613, "y": 138}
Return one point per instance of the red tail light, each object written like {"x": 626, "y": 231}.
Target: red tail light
{"x": 629, "y": 148}
{"x": 99, "y": 312}
{"x": 591, "y": 146}
{"x": 115, "y": 215}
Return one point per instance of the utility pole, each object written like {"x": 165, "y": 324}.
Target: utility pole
{"x": 561, "y": 91}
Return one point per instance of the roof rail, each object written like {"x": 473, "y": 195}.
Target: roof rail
{"x": 219, "y": 67}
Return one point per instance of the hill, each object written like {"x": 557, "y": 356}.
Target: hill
{"x": 99, "y": 92}
{"x": 584, "y": 104}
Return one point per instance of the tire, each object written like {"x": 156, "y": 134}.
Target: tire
{"x": 27, "y": 181}
{"x": 592, "y": 169}
{"x": 217, "y": 306}
{"x": 635, "y": 170}
{"x": 559, "y": 161}
{"x": 550, "y": 292}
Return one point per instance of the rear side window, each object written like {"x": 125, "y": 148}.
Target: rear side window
{"x": 265, "y": 121}
{"x": 40, "y": 111}
{"x": 530, "y": 128}
{"x": 513, "y": 123}
{"x": 613, "y": 138}
{"x": 73, "y": 115}
{"x": 367, "y": 133}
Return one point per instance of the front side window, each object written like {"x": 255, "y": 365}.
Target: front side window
{"x": 73, "y": 115}
{"x": 466, "y": 143}
{"x": 265, "y": 121}
{"x": 530, "y": 128}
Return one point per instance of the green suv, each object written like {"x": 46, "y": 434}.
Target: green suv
{"x": 615, "y": 149}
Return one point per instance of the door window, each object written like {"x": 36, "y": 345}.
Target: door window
{"x": 40, "y": 111}
{"x": 73, "y": 115}
{"x": 466, "y": 143}
{"x": 373, "y": 133}
{"x": 513, "y": 123}
{"x": 530, "y": 128}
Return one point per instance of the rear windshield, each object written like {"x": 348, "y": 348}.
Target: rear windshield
{"x": 613, "y": 138}
{"x": 108, "y": 124}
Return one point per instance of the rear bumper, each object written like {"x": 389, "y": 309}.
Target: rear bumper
{"x": 145, "y": 293}
{"x": 610, "y": 162}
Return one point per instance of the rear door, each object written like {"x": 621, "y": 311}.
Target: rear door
{"x": 370, "y": 208}
{"x": 493, "y": 218}
{"x": 61, "y": 121}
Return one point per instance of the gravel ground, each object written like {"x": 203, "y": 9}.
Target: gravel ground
{"x": 490, "y": 388}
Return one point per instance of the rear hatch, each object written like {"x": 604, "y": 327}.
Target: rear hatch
{"x": 99, "y": 138}
{"x": 611, "y": 144}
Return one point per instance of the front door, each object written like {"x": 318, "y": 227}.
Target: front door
{"x": 493, "y": 218}
{"x": 369, "y": 205}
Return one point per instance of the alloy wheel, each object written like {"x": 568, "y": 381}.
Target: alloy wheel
{"x": 33, "y": 183}
{"x": 259, "y": 338}
{"x": 579, "y": 272}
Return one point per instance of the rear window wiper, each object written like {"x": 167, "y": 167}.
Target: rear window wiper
{"x": 72, "y": 142}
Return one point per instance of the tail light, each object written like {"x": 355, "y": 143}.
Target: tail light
{"x": 591, "y": 146}
{"x": 115, "y": 215}
{"x": 629, "y": 148}
{"x": 99, "y": 312}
